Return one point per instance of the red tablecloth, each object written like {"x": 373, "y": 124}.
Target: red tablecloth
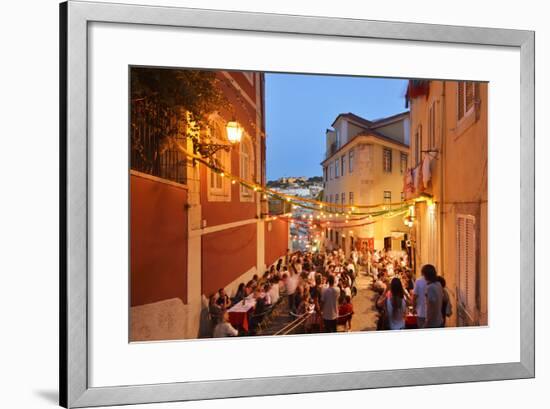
{"x": 239, "y": 320}
{"x": 411, "y": 321}
{"x": 239, "y": 314}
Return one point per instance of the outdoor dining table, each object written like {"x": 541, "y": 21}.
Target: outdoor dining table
{"x": 411, "y": 321}
{"x": 239, "y": 314}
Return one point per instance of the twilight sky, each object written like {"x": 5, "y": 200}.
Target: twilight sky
{"x": 299, "y": 109}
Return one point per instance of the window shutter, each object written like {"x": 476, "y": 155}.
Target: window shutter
{"x": 460, "y": 101}
{"x": 460, "y": 253}
{"x": 470, "y": 255}
{"x": 470, "y": 95}
{"x": 466, "y": 262}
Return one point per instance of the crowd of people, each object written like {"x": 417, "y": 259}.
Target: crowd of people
{"x": 319, "y": 288}
{"x": 426, "y": 298}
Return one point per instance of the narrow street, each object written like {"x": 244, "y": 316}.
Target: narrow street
{"x": 364, "y": 318}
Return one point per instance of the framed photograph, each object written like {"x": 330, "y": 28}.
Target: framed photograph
{"x": 260, "y": 204}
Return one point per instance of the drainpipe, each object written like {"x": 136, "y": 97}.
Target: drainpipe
{"x": 442, "y": 177}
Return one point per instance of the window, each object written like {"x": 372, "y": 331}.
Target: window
{"x": 343, "y": 165}
{"x": 343, "y": 196}
{"x": 418, "y": 145}
{"x": 387, "y": 160}
{"x": 350, "y": 160}
{"x": 246, "y": 165}
{"x": 402, "y": 197}
{"x": 466, "y": 97}
{"x": 337, "y": 168}
{"x": 387, "y": 197}
{"x": 330, "y": 170}
{"x": 325, "y": 173}
{"x": 219, "y": 187}
{"x": 216, "y": 180}
{"x": 466, "y": 262}
{"x": 337, "y": 138}
{"x": 403, "y": 162}
{"x": 351, "y": 201}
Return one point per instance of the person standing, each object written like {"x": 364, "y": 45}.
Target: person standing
{"x": 329, "y": 303}
{"x": 419, "y": 300}
{"x": 434, "y": 297}
{"x": 396, "y": 306}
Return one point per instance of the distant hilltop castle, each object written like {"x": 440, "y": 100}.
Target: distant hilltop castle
{"x": 292, "y": 179}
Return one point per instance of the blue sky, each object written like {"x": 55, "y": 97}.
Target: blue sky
{"x": 299, "y": 109}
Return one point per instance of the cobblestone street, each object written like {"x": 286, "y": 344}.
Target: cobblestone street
{"x": 365, "y": 316}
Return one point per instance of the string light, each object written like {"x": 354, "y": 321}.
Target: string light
{"x": 303, "y": 202}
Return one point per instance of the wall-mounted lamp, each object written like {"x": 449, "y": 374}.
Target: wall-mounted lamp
{"x": 208, "y": 150}
{"x": 234, "y": 131}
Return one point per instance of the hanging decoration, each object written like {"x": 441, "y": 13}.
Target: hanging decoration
{"x": 331, "y": 212}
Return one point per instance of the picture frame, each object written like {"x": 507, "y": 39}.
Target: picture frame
{"x": 75, "y": 389}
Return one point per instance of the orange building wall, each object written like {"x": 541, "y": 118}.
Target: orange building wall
{"x": 158, "y": 241}
{"x": 217, "y": 213}
{"x": 226, "y": 255}
{"x": 276, "y": 240}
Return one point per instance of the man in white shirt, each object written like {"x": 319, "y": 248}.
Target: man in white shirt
{"x": 274, "y": 291}
{"x": 329, "y": 305}
{"x": 419, "y": 300}
{"x": 224, "y": 328}
{"x": 291, "y": 284}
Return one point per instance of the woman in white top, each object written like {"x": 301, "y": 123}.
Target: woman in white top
{"x": 396, "y": 305}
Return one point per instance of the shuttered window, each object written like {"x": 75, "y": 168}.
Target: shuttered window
{"x": 466, "y": 262}
{"x": 387, "y": 160}
{"x": 466, "y": 97}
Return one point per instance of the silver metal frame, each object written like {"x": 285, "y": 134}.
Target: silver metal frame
{"x": 74, "y": 18}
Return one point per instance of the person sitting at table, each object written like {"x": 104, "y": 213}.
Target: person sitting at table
{"x": 345, "y": 312}
{"x": 224, "y": 328}
{"x": 266, "y": 295}
{"x": 223, "y": 299}
{"x": 239, "y": 295}
{"x": 214, "y": 310}
{"x": 254, "y": 281}
{"x": 259, "y": 311}
{"x": 249, "y": 290}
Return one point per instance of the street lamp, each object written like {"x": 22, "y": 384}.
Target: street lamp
{"x": 234, "y": 131}
{"x": 208, "y": 150}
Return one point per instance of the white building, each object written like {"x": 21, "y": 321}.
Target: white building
{"x": 364, "y": 165}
